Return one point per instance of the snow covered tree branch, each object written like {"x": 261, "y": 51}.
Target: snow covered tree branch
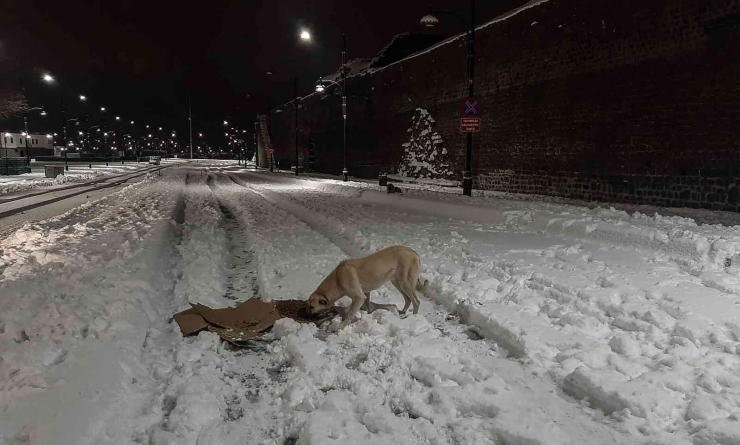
{"x": 12, "y": 103}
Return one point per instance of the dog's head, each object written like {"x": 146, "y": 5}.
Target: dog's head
{"x": 318, "y": 303}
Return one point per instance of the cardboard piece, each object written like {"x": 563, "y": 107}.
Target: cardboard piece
{"x": 246, "y": 321}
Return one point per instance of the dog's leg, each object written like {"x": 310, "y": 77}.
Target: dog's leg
{"x": 409, "y": 288}
{"x": 406, "y": 299}
{"x": 358, "y": 299}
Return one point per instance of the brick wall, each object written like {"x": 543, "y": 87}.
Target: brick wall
{"x": 628, "y": 101}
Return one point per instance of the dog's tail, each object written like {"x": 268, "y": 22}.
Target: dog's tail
{"x": 421, "y": 286}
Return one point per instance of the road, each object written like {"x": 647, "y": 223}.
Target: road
{"x": 545, "y": 324}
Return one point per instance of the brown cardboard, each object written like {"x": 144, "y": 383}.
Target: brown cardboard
{"x": 248, "y": 320}
{"x": 190, "y": 321}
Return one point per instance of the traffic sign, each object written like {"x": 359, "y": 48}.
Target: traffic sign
{"x": 470, "y": 124}
{"x": 471, "y": 107}
{"x": 270, "y": 150}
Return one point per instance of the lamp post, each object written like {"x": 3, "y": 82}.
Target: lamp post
{"x": 320, "y": 88}
{"x": 430, "y": 20}
{"x": 66, "y": 143}
{"x": 306, "y": 37}
{"x": 89, "y": 159}
{"x": 7, "y": 164}
{"x": 295, "y": 103}
{"x": 28, "y": 135}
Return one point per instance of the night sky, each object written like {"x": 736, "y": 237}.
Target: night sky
{"x": 141, "y": 59}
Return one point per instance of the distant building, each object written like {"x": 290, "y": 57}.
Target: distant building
{"x": 14, "y": 144}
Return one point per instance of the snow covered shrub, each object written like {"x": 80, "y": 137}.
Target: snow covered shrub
{"x": 424, "y": 154}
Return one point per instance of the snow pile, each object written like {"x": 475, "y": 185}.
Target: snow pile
{"x": 72, "y": 329}
{"x": 424, "y": 154}
{"x": 29, "y": 184}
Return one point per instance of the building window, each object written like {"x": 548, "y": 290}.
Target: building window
{"x": 11, "y": 141}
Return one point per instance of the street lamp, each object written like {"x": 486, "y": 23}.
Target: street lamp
{"x": 305, "y": 35}
{"x": 48, "y": 78}
{"x": 102, "y": 109}
{"x": 27, "y": 134}
{"x": 83, "y": 98}
{"x": 430, "y": 21}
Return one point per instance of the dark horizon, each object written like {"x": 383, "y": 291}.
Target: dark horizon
{"x": 142, "y": 60}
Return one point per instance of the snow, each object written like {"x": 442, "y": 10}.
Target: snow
{"x": 545, "y": 323}
{"x": 76, "y": 173}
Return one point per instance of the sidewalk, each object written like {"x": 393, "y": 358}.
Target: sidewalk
{"x": 699, "y": 216}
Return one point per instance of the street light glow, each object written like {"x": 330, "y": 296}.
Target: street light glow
{"x": 118, "y": 118}
{"x": 132, "y": 122}
{"x": 226, "y": 123}
{"x": 82, "y": 97}
{"x": 102, "y": 109}
{"x": 305, "y": 35}
{"x": 48, "y": 78}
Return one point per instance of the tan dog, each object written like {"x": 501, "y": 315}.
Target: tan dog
{"x": 355, "y": 278}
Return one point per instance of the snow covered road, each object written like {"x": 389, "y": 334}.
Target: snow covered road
{"x": 546, "y": 323}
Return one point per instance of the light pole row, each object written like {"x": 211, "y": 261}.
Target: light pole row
{"x": 428, "y": 20}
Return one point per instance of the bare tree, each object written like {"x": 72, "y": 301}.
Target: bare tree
{"x": 12, "y": 103}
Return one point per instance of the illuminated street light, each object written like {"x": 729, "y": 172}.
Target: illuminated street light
{"x": 132, "y": 122}
{"x": 305, "y": 35}
{"x": 118, "y": 118}
{"x": 226, "y": 123}
{"x": 83, "y": 98}
{"x": 48, "y": 78}
{"x": 102, "y": 109}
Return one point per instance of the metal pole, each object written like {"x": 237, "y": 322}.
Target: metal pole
{"x": 345, "y": 173}
{"x": 7, "y": 163}
{"x": 295, "y": 105}
{"x": 190, "y": 118}
{"x": 271, "y": 159}
{"x": 256, "y": 148}
{"x": 66, "y": 146}
{"x": 468, "y": 174}
{"x": 28, "y": 155}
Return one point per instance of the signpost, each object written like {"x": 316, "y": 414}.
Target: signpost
{"x": 469, "y": 124}
{"x": 471, "y": 107}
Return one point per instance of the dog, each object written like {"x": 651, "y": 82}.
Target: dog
{"x": 355, "y": 278}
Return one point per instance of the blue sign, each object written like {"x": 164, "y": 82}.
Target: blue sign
{"x": 471, "y": 107}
